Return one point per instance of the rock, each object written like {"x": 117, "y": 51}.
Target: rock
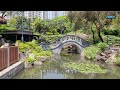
{"x": 101, "y": 58}
{"x": 113, "y": 51}
{"x": 102, "y": 54}
{"x": 37, "y": 63}
{"x": 107, "y": 56}
{"x": 108, "y": 52}
{"x": 22, "y": 56}
{"x": 27, "y": 65}
{"x": 42, "y": 58}
{"x": 47, "y": 58}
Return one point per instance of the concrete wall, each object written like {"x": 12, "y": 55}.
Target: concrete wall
{"x": 9, "y": 72}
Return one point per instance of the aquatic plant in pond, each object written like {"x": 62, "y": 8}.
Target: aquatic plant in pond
{"x": 84, "y": 68}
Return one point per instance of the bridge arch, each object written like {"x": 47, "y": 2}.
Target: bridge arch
{"x": 57, "y": 50}
{"x": 57, "y": 46}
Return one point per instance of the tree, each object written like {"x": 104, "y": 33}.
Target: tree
{"x": 76, "y": 17}
{"x": 95, "y": 17}
{"x": 62, "y": 24}
{"x": 36, "y": 24}
{"x": 16, "y": 22}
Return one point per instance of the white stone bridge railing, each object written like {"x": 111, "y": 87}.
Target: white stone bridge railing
{"x": 65, "y": 39}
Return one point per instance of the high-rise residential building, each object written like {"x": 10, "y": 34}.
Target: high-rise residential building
{"x": 45, "y": 14}
{"x": 42, "y": 14}
{"x": 13, "y": 14}
{"x": 33, "y": 14}
{"x": 53, "y": 14}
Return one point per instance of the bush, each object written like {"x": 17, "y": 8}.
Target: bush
{"x": 117, "y": 60}
{"x": 97, "y": 39}
{"x": 23, "y": 47}
{"x": 49, "y": 33}
{"x": 35, "y": 51}
{"x": 49, "y": 38}
{"x": 30, "y": 60}
{"x": 91, "y": 52}
{"x": 102, "y": 46}
{"x": 111, "y": 32}
{"x": 113, "y": 40}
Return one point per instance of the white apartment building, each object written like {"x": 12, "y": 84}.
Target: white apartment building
{"x": 42, "y": 14}
{"x": 33, "y": 14}
{"x": 53, "y": 14}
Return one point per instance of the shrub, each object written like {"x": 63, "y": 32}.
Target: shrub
{"x": 102, "y": 46}
{"x": 35, "y": 51}
{"x": 23, "y": 47}
{"x": 113, "y": 40}
{"x": 111, "y": 32}
{"x": 30, "y": 60}
{"x": 49, "y": 33}
{"x": 117, "y": 60}
{"x": 91, "y": 52}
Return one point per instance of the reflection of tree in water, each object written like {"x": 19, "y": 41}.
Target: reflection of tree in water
{"x": 70, "y": 57}
{"x": 78, "y": 76}
{"x": 30, "y": 73}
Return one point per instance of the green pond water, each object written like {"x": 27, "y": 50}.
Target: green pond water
{"x": 52, "y": 70}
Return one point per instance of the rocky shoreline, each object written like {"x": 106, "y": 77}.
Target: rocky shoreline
{"x": 107, "y": 56}
{"x": 39, "y": 62}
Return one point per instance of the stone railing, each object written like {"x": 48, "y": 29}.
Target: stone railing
{"x": 63, "y": 39}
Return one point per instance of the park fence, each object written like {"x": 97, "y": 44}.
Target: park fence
{"x": 8, "y": 55}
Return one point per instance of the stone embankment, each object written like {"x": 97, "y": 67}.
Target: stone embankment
{"x": 106, "y": 55}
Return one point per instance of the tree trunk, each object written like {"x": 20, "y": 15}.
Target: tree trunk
{"x": 99, "y": 35}
{"x": 93, "y": 36}
{"x": 98, "y": 31}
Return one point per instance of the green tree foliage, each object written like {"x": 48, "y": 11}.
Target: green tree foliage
{"x": 62, "y": 24}
{"x": 96, "y": 17}
{"x": 16, "y": 22}
{"x": 36, "y": 24}
{"x": 4, "y": 27}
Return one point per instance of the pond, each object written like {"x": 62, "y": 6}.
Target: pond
{"x": 53, "y": 70}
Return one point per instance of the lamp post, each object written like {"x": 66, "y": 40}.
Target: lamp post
{"x": 22, "y": 38}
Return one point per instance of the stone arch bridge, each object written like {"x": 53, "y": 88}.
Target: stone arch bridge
{"x": 57, "y": 46}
